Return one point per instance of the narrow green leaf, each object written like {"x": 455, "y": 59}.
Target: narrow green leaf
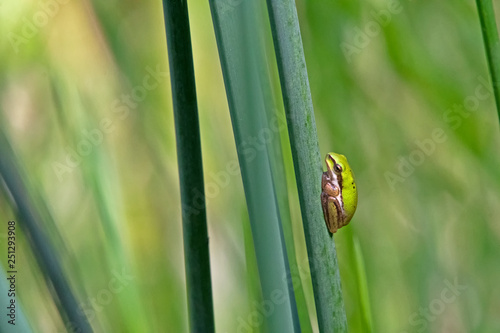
{"x": 275, "y": 119}
{"x": 357, "y": 283}
{"x": 307, "y": 162}
{"x": 239, "y": 53}
{"x": 364, "y": 296}
{"x": 196, "y": 250}
{"x": 491, "y": 44}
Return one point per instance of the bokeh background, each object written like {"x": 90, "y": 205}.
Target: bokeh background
{"x": 400, "y": 87}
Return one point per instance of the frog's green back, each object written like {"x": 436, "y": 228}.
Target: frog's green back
{"x": 349, "y": 189}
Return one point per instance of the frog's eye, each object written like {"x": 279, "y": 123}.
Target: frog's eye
{"x": 337, "y": 168}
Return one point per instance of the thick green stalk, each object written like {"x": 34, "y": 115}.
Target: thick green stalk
{"x": 234, "y": 24}
{"x": 491, "y": 44}
{"x": 307, "y": 162}
{"x": 275, "y": 114}
{"x": 280, "y": 184}
{"x": 31, "y": 223}
{"x": 196, "y": 250}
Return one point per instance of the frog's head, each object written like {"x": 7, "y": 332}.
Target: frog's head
{"x": 339, "y": 169}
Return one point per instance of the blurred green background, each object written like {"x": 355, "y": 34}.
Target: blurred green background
{"x": 400, "y": 87}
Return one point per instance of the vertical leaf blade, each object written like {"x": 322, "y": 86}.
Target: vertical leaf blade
{"x": 196, "y": 250}
{"x": 233, "y": 29}
{"x": 491, "y": 44}
{"x": 307, "y": 162}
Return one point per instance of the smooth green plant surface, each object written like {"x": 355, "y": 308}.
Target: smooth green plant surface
{"x": 241, "y": 57}
{"x": 278, "y": 138}
{"x": 307, "y": 162}
{"x": 194, "y": 221}
{"x": 491, "y": 43}
{"x": 401, "y": 90}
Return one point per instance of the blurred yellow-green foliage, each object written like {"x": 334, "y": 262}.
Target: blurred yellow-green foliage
{"x": 398, "y": 87}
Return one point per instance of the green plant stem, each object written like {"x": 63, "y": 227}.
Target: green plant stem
{"x": 280, "y": 185}
{"x": 491, "y": 44}
{"x": 196, "y": 250}
{"x": 307, "y": 162}
{"x": 239, "y": 54}
{"x": 273, "y": 112}
{"x": 30, "y": 222}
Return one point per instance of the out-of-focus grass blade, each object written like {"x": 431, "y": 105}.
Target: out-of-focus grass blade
{"x": 491, "y": 44}
{"x": 364, "y": 296}
{"x": 108, "y": 18}
{"x": 99, "y": 178}
{"x": 234, "y": 27}
{"x": 355, "y": 282}
{"x": 307, "y": 162}
{"x": 30, "y": 221}
{"x": 194, "y": 220}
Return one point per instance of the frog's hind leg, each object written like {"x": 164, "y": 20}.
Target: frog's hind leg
{"x": 333, "y": 213}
